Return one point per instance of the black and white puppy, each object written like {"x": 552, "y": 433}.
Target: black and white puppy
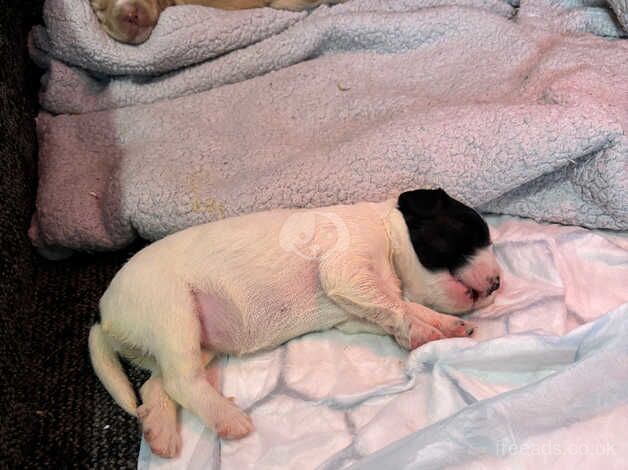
{"x": 249, "y": 283}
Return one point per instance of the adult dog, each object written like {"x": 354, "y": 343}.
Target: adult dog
{"x": 132, "y": 21}
{"x": 249, "y": 283}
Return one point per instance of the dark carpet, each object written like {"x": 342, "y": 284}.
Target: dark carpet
{"x": 53, "y": 411}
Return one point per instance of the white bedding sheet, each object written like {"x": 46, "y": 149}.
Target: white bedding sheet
{"x": 543, "y": 382}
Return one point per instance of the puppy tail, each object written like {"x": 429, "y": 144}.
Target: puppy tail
{"x": 109, "y": 370}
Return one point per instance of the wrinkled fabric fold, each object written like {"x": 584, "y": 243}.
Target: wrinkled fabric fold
{"x": 542, "y": 381}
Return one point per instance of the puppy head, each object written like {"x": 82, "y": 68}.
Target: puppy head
{"x": 451, "y": 241}
{"x": 129, "y": 21}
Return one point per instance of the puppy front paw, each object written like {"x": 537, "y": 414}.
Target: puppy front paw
{"x": 160, "y": 431}
{"x": 415, "y": 333}
{"x": 448, "y": 325}
{"x": 453, "y": 327}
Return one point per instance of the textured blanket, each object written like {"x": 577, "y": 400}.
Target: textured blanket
{"x": 88, "y": 71}
{"x": 354, "y": 102}
{"x": 543, "y": 383}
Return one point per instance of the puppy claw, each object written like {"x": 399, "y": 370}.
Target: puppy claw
{"x": 453, "y": 327}
{"x": 469, "y": 327}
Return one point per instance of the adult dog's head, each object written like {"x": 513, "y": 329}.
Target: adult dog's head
{"x": 453, "y": 246}
{"x": 129, "y": 21}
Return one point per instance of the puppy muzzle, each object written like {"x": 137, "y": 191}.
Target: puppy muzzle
{"x": 132, "y": 22}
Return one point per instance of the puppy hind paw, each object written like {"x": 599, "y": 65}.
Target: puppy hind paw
{"x": 167, "y": 448}
{"x": 160, "y": 433}
{"x": 233, "y": 423}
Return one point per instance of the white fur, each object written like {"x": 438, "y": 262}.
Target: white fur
{"x": 253, "y": 282}
{"x": 479, "y": 273}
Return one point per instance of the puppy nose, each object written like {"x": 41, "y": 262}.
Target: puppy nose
{"x": 495, "y": 283}
{"x": 130, "y": 14}
{"x": 134, "y": 14}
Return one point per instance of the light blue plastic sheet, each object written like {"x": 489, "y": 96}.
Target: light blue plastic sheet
{"x": 574, "y": 378}
{"x": 543, "y": 383}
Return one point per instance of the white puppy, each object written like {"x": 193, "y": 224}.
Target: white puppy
{"x": 249, "y": 283}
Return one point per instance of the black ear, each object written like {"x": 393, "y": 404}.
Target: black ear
{"x": 423, "y": 203}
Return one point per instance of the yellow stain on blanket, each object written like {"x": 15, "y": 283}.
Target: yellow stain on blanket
{"x": 206, "y": 205}
{"x": 209, "y": 206}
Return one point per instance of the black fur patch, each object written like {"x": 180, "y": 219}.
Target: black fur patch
{"x": 444, "y": 232}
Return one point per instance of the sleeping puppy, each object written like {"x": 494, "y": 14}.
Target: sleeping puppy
{"x": 132, "y": 21}
{"x": 251, "y": 283}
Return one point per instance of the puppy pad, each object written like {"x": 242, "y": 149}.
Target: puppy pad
{"x": 543, "y": 381}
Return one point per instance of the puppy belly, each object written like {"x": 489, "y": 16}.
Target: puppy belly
{"x": 226, "y": 328}
{"x": 222, "y": 328}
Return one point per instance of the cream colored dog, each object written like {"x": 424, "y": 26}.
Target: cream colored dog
{"x": 132, "y": 21}
{"x": 249, "y": 283}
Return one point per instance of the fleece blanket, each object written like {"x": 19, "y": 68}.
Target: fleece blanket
{"x": 194, "y": 49}
{"x": 542, "y": 384}
{"x": 354, "y": 102}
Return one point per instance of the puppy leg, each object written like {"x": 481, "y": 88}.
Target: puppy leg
{"x": 370, "y": 297}
{"x": 158, "y": 417}
{"x": 420, "y": 332}
{"x": 185, "y": 379}
{"x": 357, "y": 326}
{"x": 212, "y": 369}
{"x": 374, "y": 294}
{"x": 190, "y": 387}
{"x": 409, "y": 331}
{"x": 212, "y": 374}
{"x": 449, "y": 325}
